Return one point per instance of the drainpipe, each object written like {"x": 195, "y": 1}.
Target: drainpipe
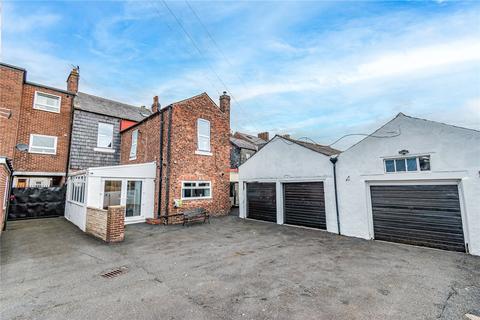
{"x": 70, "y": 138}
{"x": 161, "y": 167}
{"x": 334, "y": 160}
{"x": 169, "y": 147}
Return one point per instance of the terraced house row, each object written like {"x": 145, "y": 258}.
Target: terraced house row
{"x": 51, "y": 136}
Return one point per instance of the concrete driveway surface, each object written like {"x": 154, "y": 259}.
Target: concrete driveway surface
{"x": 230, "y": 269}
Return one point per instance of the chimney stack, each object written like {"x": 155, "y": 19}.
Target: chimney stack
{"x": 72, "y": 80}
{"x": 287, "y": 136}
{"x": 155, "y": 105}
{"x": 225, "y": 103}
{"x": 264, "y": 136}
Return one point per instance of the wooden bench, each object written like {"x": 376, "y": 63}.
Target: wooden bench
{"x": 194, "y": 215}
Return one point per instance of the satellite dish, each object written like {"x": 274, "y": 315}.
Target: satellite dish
{"x": 22, "y": 147}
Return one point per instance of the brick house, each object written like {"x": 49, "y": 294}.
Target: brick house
{"x": 192, "y": 136}
{"x": 29, "y": 111}
{"x": 96, "y": 127}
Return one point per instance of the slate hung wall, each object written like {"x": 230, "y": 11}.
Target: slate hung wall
{"x": 84, "y": 141}
{"x": 184, "y": 163}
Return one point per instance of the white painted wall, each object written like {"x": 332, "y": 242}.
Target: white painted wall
{"x": 283, "y": 161}
{"x": 146, "y": 172}
{"x": 455, "y": 158}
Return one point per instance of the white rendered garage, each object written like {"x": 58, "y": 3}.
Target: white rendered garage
{"x": 132, "y": 186}
{"x": 413, "y": 181}
{"x": 289, "y": 182}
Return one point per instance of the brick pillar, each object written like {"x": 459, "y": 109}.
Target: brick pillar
{"x": 115, "y": 224}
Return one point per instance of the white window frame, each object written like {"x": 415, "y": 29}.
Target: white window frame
{"x": 133, "y": 146}
{"x": 78, "y": 189}
{"x": 196, "y": 187}
{"x": 38, "y": 106}
{"x": 99, "y": 148}
{"x": 199, "y": 135}
{"x": 417, "y": 158}
{"x": 30, "y": 145}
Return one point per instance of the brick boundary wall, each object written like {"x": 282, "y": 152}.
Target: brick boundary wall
{"x": 107, "y": 225}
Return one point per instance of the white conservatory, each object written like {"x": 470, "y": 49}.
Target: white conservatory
{"x": 132, "y": 186}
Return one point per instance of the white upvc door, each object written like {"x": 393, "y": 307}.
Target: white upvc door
{"x": 125, "y": 192}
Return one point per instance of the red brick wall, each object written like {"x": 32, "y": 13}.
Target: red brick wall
{"x": 116, "y": 224}
{"x": 184, "y": 163}
{"x": 33, "y": 121}
{"x": 4, "y": 179}
{"x": 108, "y": 225}
{"x": 148, "y": 146}
{"x": 11, "y": 82}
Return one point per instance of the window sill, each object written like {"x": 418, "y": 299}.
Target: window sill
{"x": 203, "y": 153}
{"x": 43, "y": 153}
{"x": 104, "y": 150}
{"x": 132, "y": 158}
{"x": 35, "y": 107}
{"x": 198, "y": 198}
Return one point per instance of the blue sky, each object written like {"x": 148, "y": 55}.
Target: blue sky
{"x": 316, "y": 69}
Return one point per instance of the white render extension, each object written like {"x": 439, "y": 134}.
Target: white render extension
{"x": 132, "y": 186}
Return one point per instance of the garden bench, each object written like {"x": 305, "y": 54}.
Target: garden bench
{"x": 197, "y": 214}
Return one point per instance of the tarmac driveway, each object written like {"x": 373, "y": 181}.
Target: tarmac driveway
{"x": 230, "y": 269}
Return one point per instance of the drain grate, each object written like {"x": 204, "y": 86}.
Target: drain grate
{"x": 114, "y": 273}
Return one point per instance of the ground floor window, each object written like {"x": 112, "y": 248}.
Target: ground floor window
{"x": 196, "y": 190}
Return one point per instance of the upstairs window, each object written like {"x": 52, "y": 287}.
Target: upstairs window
{"x": 411, "y": 164}
{"x": 203, "y": 135}
{"x": 105, "y": 135}
{"x": 42, "y": 144}
{"x": 133, "y": 146}
{"x": 46, "y": 102}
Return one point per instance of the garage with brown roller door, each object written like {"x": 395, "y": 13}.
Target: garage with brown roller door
{"x": 261, "y": 201}
{"x": 423, "y": 215}
{"x": 304, "y": 204}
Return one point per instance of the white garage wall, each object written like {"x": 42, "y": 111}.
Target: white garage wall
{"x": 455, "y": 158}
{"x": 284, "y": 161}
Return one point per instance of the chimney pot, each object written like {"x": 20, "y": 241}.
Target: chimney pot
{"x": 155, "y": 105}
{"x": 73, "y": 79}
{"x": 225, "y": 103}
{"x": 264, "y": 136}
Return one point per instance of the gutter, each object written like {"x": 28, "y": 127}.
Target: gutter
{"x": 334, "y": 160}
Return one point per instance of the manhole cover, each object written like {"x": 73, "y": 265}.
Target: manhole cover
{"x": 115, "y": 272}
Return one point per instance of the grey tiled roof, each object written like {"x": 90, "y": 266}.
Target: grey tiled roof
{"x": 326, "y": 150}
{"x": 91, "y": 103}
{"x": 243, "y": 144}
{"x": 251, "y": 138}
